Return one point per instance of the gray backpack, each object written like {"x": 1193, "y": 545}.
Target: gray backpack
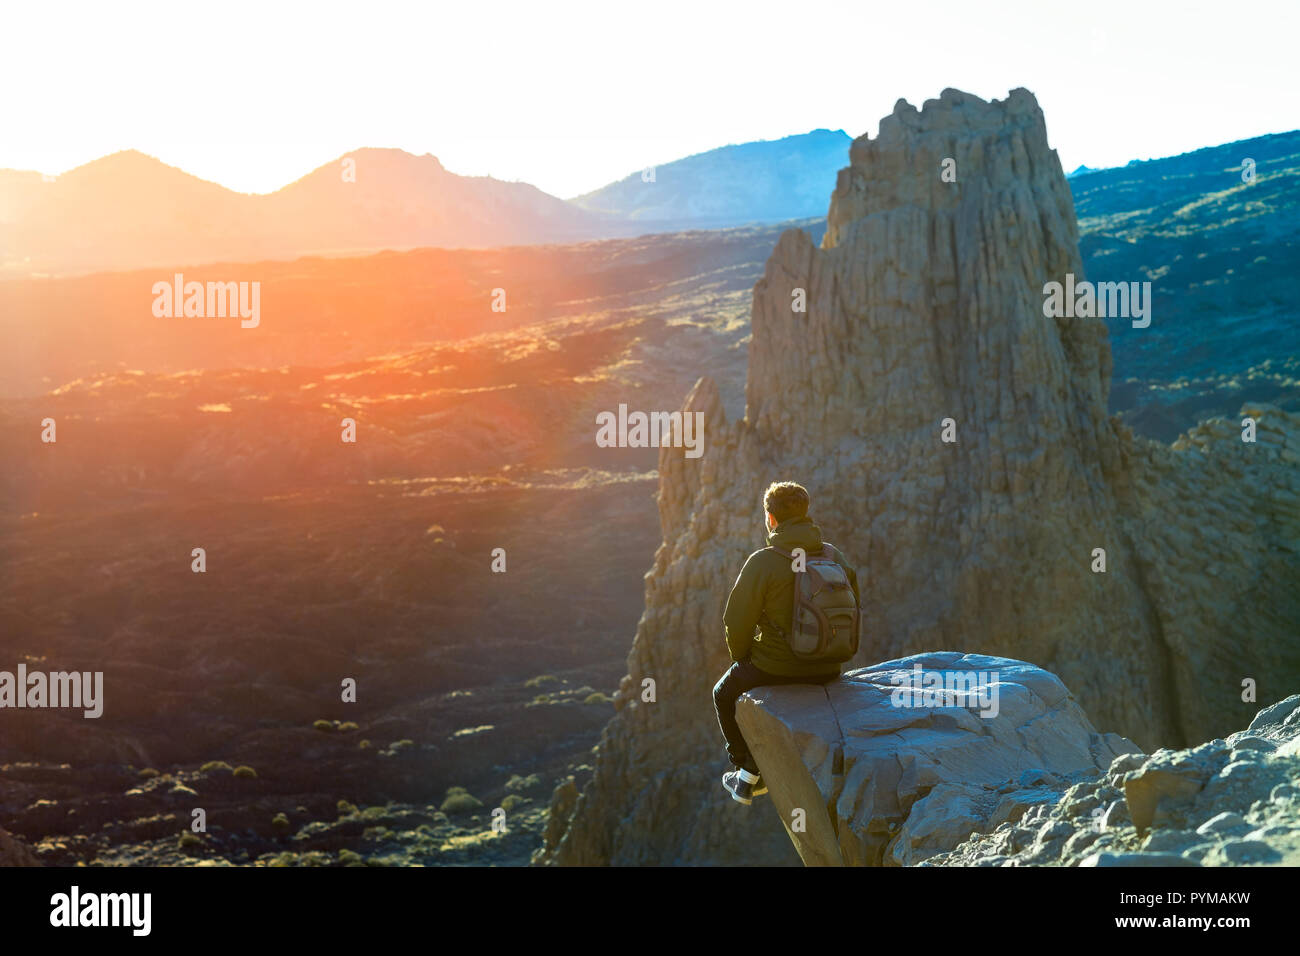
{"x": 827, "y": 618}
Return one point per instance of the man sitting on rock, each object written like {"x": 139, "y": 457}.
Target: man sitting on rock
{"x": 764, "y": 598}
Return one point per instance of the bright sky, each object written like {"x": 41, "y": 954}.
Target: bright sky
{"x": 570, "y": 96}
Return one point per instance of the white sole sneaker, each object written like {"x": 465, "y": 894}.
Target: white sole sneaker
{"x": 732, "y": 783}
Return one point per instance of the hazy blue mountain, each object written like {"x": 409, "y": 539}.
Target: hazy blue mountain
{"x": 764, "y": 181}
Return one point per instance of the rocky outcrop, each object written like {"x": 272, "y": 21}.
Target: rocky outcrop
{"x": 1232, "y": 801}
{"x": 14, "y": 852}
{"x": 863, "y": 774}
{"x": 925, "y": 314}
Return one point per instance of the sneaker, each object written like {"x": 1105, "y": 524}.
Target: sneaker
{"x": 760, "y": 787}
{"x": 740, "y": 784}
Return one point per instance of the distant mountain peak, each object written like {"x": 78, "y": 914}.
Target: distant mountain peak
{"x": 759, "y": 181}
{"x": 127, "y": 158}
{"x": 122, "y": 159}
{"x": 129, "y": 169}
{"x": 391, "y": 154}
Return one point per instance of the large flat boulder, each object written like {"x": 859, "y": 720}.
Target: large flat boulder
{"x": 897, "y": 762}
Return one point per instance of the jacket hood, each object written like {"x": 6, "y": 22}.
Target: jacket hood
{"x": 796, "y": 533}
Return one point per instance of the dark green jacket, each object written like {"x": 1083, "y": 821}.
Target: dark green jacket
{"x": 764, "y": 595}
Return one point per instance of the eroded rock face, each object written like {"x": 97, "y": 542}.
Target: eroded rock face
{"x": 863, "y": 775}
{"x": 1231, "y": 801}
{"x": 925, "y": 304}
{"x": 14, "y": 852}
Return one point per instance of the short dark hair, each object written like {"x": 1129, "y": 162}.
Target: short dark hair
{"x": 785, "y": 499}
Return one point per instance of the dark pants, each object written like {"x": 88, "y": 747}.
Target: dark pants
{"x": 740, "y": 677}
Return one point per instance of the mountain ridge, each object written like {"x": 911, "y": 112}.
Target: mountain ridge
{"x": 163, "y": 216}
